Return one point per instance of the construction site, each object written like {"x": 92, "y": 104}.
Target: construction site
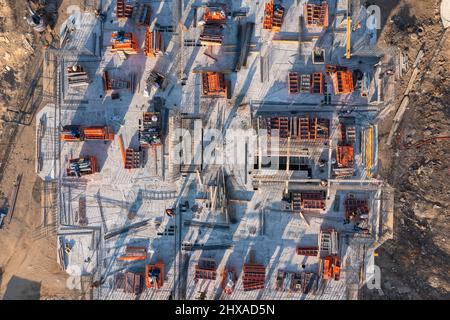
{"x": 216, "y": 150}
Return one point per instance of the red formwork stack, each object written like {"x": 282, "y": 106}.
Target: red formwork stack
{"x": 205, "y": 269}
{"x": 254, "y": 276}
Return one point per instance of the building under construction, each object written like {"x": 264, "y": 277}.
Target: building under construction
{"x": 204, "y": 151}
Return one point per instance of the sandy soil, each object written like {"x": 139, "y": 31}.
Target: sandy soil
{"x": 415, "y": 264}
{"x": 28, "y": 267}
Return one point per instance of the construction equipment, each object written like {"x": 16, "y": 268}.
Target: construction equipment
{"x": 77, "y": 133}
{"x": 229, "y": 279}
{"x": 124, "y": 9}
{"x": 77, "y": 76}
{"x": 82, "y": 166}
{"x": 205, "y": 269}
{"x": 144, "y": 15}
{"x": 273, "y": 16}
{"x": 124, "y": 42}
{"x": 214, "y": 84}
{"x": 316, "y": 14}
{"x": 134, "y": 254}
{"x": 154, "y": 275}
{"x": 153, "y": 43}
{"x": 150, "y": 130}
{"x": 331, "y": 268}
{"x": 254, "y": 276}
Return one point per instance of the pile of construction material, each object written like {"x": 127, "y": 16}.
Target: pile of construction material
{"x": 77, "y": 76}
{"x": 254, "y": 277}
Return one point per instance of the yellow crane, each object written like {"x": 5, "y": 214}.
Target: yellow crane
{"x": 349, "y": 36}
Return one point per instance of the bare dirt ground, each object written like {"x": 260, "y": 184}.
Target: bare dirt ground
{"x": 28, "y": 267}
{"x": 415, "y": 264}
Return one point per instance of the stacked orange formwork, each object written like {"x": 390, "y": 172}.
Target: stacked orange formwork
{"x": 205, "y": 269}
{"x": 308, "y": 251}
{"x": 154, "y": 275}
{"x": 356, "y": 209}
{"x": 124, "y": 9}
{"x": 278, "y": 123}
{"x": 345, "y": 156}
{"x": 216, "y": 14}
{"x": 342, "y": 82}
{"x": 316, "y": 14}
{"x": 229, "y": 279}
{"x": 293, "y": 83}
{"x": 72, "y": 133}
{"x": 313, "y": 129}
{"x": 125, "y": 42}
{"x": 153, "y": 43}
{"x": 98, "y": 133}
{"x": 312, "y": 201}
{"x": 134, "y": 254}
{"x": 317, "y": 83}
{"x": 331, "y": 268}
{"x": 273, "y": 17}
{"x": 214, "y": 84}
{"x": 330, "y": 69}
{"x": 254, "y": 277}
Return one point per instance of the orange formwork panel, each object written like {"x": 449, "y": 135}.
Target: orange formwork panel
{"x": 254, "y": 277}
{"x": 134, "y": 254}
{"x": 317, "y": 83}
{"x": 153, "y": 43}
{"x": 273, "y": 17}
{"x": 331, "y": 268}
{"x": 214, "y": 84}
{"x": 98, "y": 133}
{"x": 316, "y": 15}
{"x": 205, "y": 269}
{"x": 342, "y": 82}
{"x": 124, "y": 42}
{"x": 154, "y": 275}
{"x": 345, "y": 156}
{"x": 293, "y": 83}
{"x": 215, "y": 14}
{"x": 356, "y": 209}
